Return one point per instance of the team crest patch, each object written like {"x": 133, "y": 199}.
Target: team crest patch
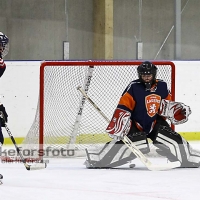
{"x": 152, "y": 103}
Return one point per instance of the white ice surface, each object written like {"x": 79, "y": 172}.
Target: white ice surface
{"x": 68, "y": 179}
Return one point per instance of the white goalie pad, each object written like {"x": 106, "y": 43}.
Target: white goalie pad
{"x": 176, "y": 112}
{"x": 119, "y": 125}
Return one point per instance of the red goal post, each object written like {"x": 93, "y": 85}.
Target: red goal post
{"x": 64, "y": 119}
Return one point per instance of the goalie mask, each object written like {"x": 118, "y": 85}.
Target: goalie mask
{"x": 150, "y": 70}
{"x": 4, "y": 45}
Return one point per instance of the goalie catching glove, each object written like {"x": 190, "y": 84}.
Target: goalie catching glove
{"x": 119, "y": 125}
{"x": 176, "y": 112}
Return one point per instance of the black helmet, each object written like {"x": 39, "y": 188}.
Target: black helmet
{"x": 147, "y": 68}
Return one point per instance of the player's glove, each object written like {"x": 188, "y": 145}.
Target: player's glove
{"x": 3, "y": 115}
{"x": 120, "y": 124}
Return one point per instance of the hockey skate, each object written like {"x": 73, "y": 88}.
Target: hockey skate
{"x": 1, "y": 178}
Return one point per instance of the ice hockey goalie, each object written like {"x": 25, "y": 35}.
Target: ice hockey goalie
{"x": 141, "y": 114}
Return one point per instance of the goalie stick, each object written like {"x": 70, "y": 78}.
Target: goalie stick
{"x": 35, "y": 166}
{"x": 132, "y": 146}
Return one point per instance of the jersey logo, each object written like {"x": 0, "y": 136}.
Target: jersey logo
{"x": 152, "y": 103}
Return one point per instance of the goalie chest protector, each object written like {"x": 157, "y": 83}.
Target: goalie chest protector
{"x": 146, "y": 102}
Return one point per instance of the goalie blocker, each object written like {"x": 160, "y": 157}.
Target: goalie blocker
{"x": 119, "y": 125}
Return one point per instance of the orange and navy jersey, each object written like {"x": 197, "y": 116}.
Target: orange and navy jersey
{"x": 144, "y": 104}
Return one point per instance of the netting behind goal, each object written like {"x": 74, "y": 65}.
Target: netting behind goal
{"x": 65, "y": 119}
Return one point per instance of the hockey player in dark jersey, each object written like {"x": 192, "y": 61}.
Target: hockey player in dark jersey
{"x": 140, "y": 114}
{"x": 4, "y": 48}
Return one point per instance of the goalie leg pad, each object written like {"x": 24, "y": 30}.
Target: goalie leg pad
{"x": 175, "y": 147}
{"x": 116, "y": 153}
{"x": 111, "y": 155}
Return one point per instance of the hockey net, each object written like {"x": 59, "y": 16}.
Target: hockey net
{"x": 66, "y": 123}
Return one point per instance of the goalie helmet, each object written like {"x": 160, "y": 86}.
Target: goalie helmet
{"x": 147, "y": 68}
{"x": 4, "y": 45}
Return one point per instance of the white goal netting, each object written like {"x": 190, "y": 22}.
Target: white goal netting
{"x": 65, "y": 119}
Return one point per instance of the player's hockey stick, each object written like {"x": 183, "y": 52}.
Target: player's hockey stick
{"x": 35, "y": 166}
{"x": 132, "y": 146}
